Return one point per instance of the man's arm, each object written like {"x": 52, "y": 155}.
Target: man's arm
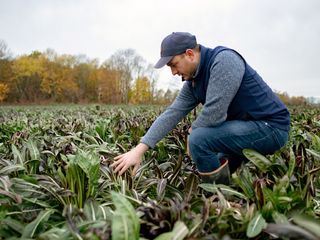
{"x": 182, "y": 105}
{"x": 225, "y": 78}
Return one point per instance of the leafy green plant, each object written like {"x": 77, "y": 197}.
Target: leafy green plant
{"x": 56, "y": 181}
{"x": 125, "y": 222}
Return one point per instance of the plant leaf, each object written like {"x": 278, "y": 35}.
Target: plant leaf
{"x": 179, "y": 232}
{"x": 191, "y": 186}
{"x": 161, "y": 187}
{"x": 17, "y": 155}
{"x": 314, "y": 153}
{"x": 308, "y": 223}
{"x": 165, "y": 236}
{"x": 257, "y": 159}
{"x": 34, "y": 152}
{"x": 14, "y": 224}
{"x": 244, "y": 180}
{"x": 125, "y": 209}
{"x": 279, "y": 218}
{"x": 122, "y": 228}
{"x": 176, "y": 170}
{"x": 93, "y": 211}
{"x": 289, "y": 231}
{"x": 292, "y": 163}
{"x": 31, "y": 228}
{"x": 12, "y": 168}
{"x": 56, "y": 234}
{"x": 256, "y": 225}
{"x": 223, "y": 188}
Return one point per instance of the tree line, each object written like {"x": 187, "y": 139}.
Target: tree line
{"x": 48, "y": 77}
{"x": 296, "y": 100}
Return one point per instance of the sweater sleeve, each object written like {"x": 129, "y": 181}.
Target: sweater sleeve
{"x": 225, "y": 78}
{"x": 182, "y": 105}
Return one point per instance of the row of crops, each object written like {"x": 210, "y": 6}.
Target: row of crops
{"x": 56, "y": 183}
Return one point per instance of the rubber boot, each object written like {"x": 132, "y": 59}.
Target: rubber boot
{"x": 220, "y": 175}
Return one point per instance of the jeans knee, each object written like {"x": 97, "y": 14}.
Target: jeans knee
{"x": 205, "y": 159}
{"x": 196, "y": 138}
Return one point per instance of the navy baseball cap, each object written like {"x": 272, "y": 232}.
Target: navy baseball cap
{"x": 174, "y": 44}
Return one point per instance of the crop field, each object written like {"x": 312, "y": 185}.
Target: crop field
{"x": 56, "y": 181}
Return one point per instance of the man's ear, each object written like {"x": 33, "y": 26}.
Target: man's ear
{"x": 189, "y": 52}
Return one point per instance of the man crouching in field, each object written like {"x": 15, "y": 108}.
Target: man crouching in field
{"x": 239, "y": 109}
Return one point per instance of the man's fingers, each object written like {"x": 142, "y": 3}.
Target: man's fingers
{"x": 117, "y": 157}
{"x": 123, "y": 162}
{"x": 116, "y": 163}
{"x": 136, "y": 167}
{"x": 120, "y": 166}
{"x": 124, "y": 168}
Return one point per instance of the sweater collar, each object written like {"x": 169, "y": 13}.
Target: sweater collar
{"x": 200, "y": 63}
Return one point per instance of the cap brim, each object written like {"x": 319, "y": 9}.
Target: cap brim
{"x": 163, "y": 61}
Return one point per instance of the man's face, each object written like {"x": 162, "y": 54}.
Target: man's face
{"x": 184, "y": 65}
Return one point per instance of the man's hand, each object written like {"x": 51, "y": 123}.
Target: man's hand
{"x": 128, "y": 159}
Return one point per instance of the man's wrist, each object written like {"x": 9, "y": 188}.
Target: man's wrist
{"x": 142, "y": 148}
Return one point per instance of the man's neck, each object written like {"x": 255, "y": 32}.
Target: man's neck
{"x": 197, "y": 69}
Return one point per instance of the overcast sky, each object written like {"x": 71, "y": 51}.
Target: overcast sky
{"x": 279, "y": 38}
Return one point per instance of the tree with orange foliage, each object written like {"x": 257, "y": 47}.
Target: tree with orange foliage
{"x": 58, "y": 81}
{"x": 108, "y": 86}
{"x": 4, "y": 90}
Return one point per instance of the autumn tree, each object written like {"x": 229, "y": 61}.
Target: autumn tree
{"x": 109, "y": 90}
{"x": 294, "y": 100}
{"x": 86, "y": 74}
{"x": 284, "y": 97}
{"x": 4, "y": 90}
{"x": 153, "y": 76}
{"x": 58, "y": 81}
{"x": 141, "y": 91}
{"x": 130, "y": 65}
{"x": 26, "y": 80}
{"x": 5, "y": 70}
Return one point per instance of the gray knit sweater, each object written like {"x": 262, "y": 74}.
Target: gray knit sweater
{"x": 225, "y": 78}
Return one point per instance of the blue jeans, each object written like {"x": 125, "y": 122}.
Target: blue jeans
{"x": 208, "y": 145}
